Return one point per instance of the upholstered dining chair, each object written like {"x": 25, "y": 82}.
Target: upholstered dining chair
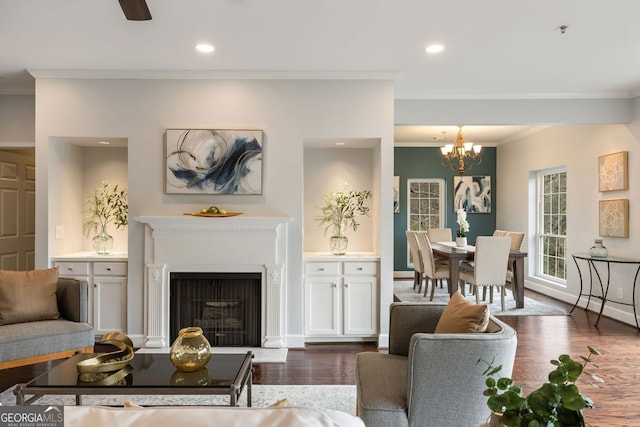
{"x": 516, "y": 244}
{"x": 440, "y": 235}
{"x": 432, "y": 270}
{"x": 490, "y": 263}
{"x": 416, "y": 256}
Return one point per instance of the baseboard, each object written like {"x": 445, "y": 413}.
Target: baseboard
{"x": 611, "y": 309}
{"x": 403, "y": 274}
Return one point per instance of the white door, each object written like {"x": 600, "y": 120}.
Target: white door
{"x": 17, "y": 209}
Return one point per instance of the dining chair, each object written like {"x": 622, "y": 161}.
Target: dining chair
{"x": 432, "y": 270}
{"x": 516, "y": 244}
{"x": 440, "y": 235}
{"x": 490, "y": 263}
{"x": 418, "y": 271}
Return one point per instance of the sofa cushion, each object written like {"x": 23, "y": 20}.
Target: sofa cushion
{"x": 159, "y": 416}
{"x": 27, "y": 296}
{"x": 461, "y": 316}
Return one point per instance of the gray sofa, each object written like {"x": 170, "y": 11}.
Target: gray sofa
{"x": 31, "y": 342}
{"x": 430, "y": 379}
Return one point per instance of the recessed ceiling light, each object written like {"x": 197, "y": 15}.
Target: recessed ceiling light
{"x": 339, "y": 143}
{"x": 204, "y": 48}
{"x": 434, "y": 48}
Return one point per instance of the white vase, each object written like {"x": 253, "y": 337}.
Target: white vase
{"x": 461, "y": 242}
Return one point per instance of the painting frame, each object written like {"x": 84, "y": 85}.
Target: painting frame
{"x": 613, "y": 218}
{"x": 472, "y": 193}
{"x": 396, "y": 194}
{"x": 613, "y": 171}
{"x": 214, "y": 161}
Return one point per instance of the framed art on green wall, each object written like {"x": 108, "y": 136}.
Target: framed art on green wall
{"x": 472, "y": 193}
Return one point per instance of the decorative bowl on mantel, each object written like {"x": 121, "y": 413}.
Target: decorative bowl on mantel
{"x": 212, "y": 215}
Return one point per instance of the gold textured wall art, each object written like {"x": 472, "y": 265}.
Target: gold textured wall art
{"x": 612, "y": 171}
{"x": 614, "y": 218}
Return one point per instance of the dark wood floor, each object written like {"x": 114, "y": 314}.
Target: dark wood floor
{"x": 540, "y": 339}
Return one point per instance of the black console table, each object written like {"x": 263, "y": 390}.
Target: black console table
{"x": 604, "y": 289}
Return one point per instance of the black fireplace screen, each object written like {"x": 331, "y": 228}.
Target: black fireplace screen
{"x": 225, "y": 305}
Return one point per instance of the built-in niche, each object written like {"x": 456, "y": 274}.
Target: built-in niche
{"x": 328, "y": 165}
{"x": 77, "y": 166}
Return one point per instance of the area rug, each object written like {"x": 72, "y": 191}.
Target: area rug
{"x": 403, "y": 291}
{"x": 336, "y": 397}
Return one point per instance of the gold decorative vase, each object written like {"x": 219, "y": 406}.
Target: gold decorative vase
{"x": 191, "y": 350}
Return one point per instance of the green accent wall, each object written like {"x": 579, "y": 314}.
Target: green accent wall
{"x": 424, "y": 162}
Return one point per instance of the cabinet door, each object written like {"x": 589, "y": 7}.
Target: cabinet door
{"x": 322, "y": 305}
{"x": 360, "y": 305}
{"x": 109, "y": 304}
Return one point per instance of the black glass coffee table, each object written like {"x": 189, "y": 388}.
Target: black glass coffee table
{"x": 147, "y": 374}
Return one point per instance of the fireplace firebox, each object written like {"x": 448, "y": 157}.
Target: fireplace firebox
{"x": 227, "y": 306}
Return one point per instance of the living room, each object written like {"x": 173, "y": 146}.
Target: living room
{"x": 296, "y": 112}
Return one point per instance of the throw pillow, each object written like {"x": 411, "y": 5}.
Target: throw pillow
{"x": 461, "y": 316}
{"x": 27, "y": 296}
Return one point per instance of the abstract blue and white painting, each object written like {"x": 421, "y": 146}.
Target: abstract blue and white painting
{"x": 214, "y": 161}
{"x": 472, "y": 193}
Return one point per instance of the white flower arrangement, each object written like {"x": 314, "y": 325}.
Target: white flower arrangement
{"x": 463, "y": 224}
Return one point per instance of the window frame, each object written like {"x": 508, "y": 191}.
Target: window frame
{"x": 442, "y": 202}
{"x": 561, "y": 221}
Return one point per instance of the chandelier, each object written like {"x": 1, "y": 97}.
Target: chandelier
{"x": 462, "y": 154}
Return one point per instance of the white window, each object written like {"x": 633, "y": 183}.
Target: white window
{"x": 551, "y": 261}
{"x": 425, "y": 206}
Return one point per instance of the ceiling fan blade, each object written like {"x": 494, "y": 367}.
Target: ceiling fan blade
{"x": 135, "y": 10}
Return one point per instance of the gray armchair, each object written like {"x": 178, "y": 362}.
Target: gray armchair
{"x": 430, "y": 379}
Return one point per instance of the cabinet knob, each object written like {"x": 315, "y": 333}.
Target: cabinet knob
{"x": 70, "y": 268}
{"x": 359, "y": 268}
{"x": 108, "y": 268}
{"x": 346, "y": 285}
{"x": 321, "y": 269}
{"x": 335, "y": 285}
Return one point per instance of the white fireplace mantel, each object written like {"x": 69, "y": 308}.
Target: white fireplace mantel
{"x": 219, "y": 244}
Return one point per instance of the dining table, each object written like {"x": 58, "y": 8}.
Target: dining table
{"x": 455, "y": 255}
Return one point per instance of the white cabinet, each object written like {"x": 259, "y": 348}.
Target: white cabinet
{"x": 107, "y": 278}
{"x": 341, "y": 298}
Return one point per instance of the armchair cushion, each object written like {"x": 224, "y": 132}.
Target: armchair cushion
{"x": 462, "y": 316}
{"x": 27, "y": 296}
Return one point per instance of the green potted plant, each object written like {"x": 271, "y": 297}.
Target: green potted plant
{"x": 556, "y": 403}
{"x": 105, "y": 205}
{"x": 339, "y": 212}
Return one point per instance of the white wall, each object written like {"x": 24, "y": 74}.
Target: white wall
{"x": 288, "y": 111}
{"x": 577, "y": 148}
{"x": 17, "y": 120}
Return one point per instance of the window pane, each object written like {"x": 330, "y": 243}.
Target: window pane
{"x": 551, "y": 256}
{"x": 425, "y": 204}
